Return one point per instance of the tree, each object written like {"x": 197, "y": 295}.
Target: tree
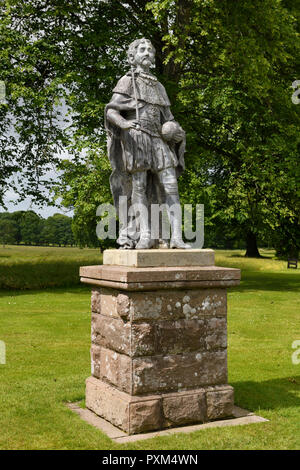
{"x": 31, "y": 226}
{"x": 84, "y": 187}
{"x": 8, "y": 229}
{"x": 17, "y": 217}
{"x": 30, "y": 135}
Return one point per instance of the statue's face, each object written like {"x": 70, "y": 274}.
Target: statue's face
{"x": 144, "y": 56}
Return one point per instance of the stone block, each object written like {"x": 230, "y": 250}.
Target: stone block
{"x": 95, "y": 360}
{"x": 108, "y": 403}
{"x": 176, "y": 304}
{"x": 145, "y": 416}
{"x": 111, "y": 303}
{"x": 159, "y": 258}
{"x": 112, "y": 333}
{"x": 149, "y": 306}
{"x": 180, "y": 336}
{"x": 151, "y": 412}
{"x": 220, "y": 403}
{"x": 95, "y": 300}
{"x": 131, "y": 414}
{"x": 123, "y": 337}
{"x": 123, "y": 306}
{"x": 94, "y": 327}
{"x": 143, "y": 339}
{"x": 128, "y": 278}
{"x": 116, "y": 369}
{"x": 182, "y": 408}
{"x": 216, "y": 333}
{"x": 108, "y": 303}
{"x": 159, "y": 374}
{"x": 161, "y": 338}
{"x": 178, "y": 372}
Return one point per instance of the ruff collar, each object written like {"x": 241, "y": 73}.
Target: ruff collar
{"x": 148, "y": 88}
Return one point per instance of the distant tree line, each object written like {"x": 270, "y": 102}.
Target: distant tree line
{"x": 29, "y": 228}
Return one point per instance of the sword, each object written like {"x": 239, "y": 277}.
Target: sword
{"x": 137, "y": 113}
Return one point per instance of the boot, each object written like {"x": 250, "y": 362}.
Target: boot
{"x": 163, "y": 244}
{"x": 144, "y": 243}
{"x": 176, "y": 239}
{"x": 179, "y": 243}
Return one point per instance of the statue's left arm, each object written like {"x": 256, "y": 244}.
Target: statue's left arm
{"x": 168, "y": 116}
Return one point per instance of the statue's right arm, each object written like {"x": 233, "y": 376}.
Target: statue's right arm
{"x": 115, "y": 118}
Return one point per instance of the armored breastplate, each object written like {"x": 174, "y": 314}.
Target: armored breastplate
{"x": 150, "y": 118}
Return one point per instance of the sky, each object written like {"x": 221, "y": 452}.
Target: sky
{"x": 10, "y": 198}
{"x": 26, "y": 205}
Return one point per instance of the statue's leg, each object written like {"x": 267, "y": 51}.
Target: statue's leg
{"x": 168, "y": 179}
{"x": 140, "y": 204}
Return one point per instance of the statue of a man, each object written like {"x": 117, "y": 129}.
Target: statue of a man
{"x": 146, "y": 147}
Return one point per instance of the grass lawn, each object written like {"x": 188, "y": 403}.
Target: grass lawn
{"x": 36, "y": 267}
{"x": 47, "y": 336}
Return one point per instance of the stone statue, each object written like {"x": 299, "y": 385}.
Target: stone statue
{"x": 146, "y": 150}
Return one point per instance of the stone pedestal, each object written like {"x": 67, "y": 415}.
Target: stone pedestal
{"x": 159, "y": 339}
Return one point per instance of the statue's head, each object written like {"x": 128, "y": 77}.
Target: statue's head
{"x": 141, "y": 53}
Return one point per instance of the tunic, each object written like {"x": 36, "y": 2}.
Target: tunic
{"x": 143, "y": 149}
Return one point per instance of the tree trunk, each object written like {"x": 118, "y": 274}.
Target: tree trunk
{"x": 172, "y": 70}
{"x": 251, "y": 244}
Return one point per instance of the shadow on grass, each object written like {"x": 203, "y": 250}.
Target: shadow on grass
{"x": 253, "y": 281}
{"x": 269, "y": 395}
{"x": 234, "y": 255}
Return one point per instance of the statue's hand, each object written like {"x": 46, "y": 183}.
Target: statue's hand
{"x": 179, "y": 135}
{"x": 128, "y": 124}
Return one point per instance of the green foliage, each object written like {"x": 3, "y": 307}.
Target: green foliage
{"x": 286, "y": 239}
{"x": 29, "y": 228}
{"x": 8, "y": 230}
{"x": 30, "y": 134}
{"x": 84, "y": 187}
{"x": 58, "y": 230}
